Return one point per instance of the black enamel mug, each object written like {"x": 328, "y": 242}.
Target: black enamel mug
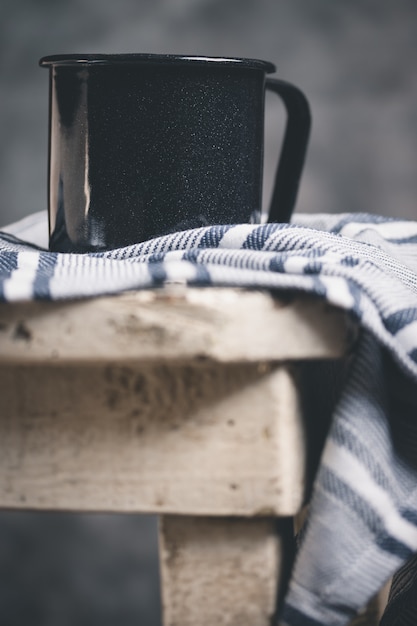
{"x": 142, "y": 145}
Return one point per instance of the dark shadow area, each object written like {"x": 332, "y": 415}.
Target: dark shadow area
{"x": 321, "y": 383}
{"x": 59, "y": 569}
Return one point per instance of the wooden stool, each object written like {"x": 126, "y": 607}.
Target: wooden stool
{"x": 181, "y": 402}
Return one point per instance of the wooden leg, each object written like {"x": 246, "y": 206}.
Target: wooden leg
{"x": 222, "y": 571}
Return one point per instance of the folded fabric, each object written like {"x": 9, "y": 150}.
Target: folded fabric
{"x": 362, "y": 525}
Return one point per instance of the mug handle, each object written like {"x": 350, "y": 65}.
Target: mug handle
{"x": 293, "y": 151}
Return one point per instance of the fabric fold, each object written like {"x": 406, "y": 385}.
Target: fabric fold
{"x": 362, "y": 525}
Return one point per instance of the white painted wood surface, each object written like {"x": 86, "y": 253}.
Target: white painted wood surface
{"x": 203, "y": 439}
{"x": 166, "y": 401}
{"x": 220, "y": 572}
{"x": 226, "y": 325}
{"x": 176, "y": 401}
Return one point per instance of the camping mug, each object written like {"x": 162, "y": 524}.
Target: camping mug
{"x": 142, "y": 145}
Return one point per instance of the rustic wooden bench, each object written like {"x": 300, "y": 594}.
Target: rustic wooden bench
{"x": 183, "y": 402}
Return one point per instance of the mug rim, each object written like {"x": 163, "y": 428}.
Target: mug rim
{"x": 157, "y": 59}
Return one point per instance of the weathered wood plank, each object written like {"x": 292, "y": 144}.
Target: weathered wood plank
{"x": 225, "y": 325}
{"x": 220, "y": 572}
{"x": 204, "y": 439}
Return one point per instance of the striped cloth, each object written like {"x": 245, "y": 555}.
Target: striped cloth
{"x": 362, "y": 525}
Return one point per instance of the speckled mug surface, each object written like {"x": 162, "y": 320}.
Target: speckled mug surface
{"x": 142, "y": 145}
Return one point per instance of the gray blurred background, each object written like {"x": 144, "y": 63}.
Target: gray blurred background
{"x": 356, "y": 61}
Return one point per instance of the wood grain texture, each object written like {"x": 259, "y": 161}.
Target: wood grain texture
{"x": 200, "y": 439}
{"x": 220, "y": 572}
{"x": 181, "y": 402}
{"x": 225, "y": 325}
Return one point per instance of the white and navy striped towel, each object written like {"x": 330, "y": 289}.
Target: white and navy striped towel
{"x": 363, "y": 521}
